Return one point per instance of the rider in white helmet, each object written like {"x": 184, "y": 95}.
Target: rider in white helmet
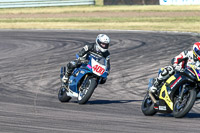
{"x": 100, "y": 48}
{"x": 102, "y": 42}
{"x": 178, "y": 63}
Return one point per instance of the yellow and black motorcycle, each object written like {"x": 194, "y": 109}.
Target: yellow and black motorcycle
{"x": 176, "y": 95}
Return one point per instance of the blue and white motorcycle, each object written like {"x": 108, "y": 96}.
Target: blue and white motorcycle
{"x": 84, "y": 79}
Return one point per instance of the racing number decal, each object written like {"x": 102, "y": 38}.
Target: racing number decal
{"x": 98, "y": 69}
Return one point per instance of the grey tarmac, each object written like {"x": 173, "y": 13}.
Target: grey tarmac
{"x": 30, "y": 62}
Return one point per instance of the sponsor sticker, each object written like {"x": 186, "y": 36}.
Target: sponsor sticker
{"x": 82, "y": 72}
{"x": 162, "y": 108}
{"x": 176, "y": 82}
{"x": 179, "y": 2}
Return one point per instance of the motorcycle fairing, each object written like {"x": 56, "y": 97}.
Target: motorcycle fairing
{"x": 163, "y": 107}
{"x": 77, "y": 75}
{"x": 80, "y": 72}
{"x": 97, "y": 68}
{"x": 196, "y": 71}
{"x": 164, "y": 93}
{"x": 170, "y": 88}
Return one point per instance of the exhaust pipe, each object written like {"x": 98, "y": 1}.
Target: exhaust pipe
{"x": 152, "y": 97}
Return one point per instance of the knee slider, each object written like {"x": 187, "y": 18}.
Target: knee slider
{"x": 170, "y": 69}
{"x": 164, "y": 72}
{"x": 70, "y": 66}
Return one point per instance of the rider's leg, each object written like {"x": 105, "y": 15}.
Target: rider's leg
{"x": 69, "y": 69}
{"x": 164, "y": 74}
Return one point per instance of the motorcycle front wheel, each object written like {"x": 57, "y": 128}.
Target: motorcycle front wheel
{"x": 147, "y": 106}
{"x": 62, "y": 95}
{"x": 181, "y": 108}
{"x": 86, "y": 93}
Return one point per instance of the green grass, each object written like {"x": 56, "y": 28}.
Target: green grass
{"x": 146, "y": 18}
{"x": 78, "y": 9}
{"x": 107, "y": 20}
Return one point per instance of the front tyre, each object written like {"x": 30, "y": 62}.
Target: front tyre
{"x": 181, "y": 108}
{"x": 86, "y": 93}
{"x": 148, "y": 106}
{"x": 62, "y": 95}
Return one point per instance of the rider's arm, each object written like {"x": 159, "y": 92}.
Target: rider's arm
{"x": 180, "y": 60}
{"x": 84, "y": 50}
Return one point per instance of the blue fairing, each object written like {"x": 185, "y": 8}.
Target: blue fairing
{"x": 105, "y": 74}
{"x": 80, "y": 72}
{"x": 74, "y": 79}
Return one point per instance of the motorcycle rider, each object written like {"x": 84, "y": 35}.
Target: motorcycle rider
{"x": 99, "y": 48}
{"x": 178, "y": 64}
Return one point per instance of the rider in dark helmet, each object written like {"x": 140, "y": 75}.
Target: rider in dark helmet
{"x": 100, "y": 48}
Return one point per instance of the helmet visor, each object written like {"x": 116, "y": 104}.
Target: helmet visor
{"x": 197, "y": 51}
{"x": 104, "y": 45}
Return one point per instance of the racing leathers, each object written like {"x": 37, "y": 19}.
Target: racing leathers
{"x": 86, "y": 50}
{"x": 178, "y": 63}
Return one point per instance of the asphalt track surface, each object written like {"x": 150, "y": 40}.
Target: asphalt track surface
{"x": 30, "y": 62}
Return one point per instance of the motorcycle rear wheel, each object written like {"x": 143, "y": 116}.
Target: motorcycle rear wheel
{"x": 62, "y": 95}
{"x": 85, "y": 94}
{"x": 181, "y": 112}
{"x": 147, "y": 106}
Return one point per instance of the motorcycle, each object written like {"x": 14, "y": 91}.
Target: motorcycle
{"x": 84, "y": 79}
{"x": 176, "y": 95}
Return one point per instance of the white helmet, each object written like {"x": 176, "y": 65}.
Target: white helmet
{"x": 102, "y": 42}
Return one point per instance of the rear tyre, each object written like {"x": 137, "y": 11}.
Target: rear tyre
{"x": 62, "y": 95}
{"x": 182, "y": 108}
{"x": 86, "y": 93}
{"x": 147, "y": 106}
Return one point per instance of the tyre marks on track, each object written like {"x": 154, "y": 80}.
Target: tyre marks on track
{"x": 30, "y": 62}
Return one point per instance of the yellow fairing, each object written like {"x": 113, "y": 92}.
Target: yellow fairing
{"x": 164, "y": 89}
{"x": 170, "y": 79}
{"x": 193, "y": 67}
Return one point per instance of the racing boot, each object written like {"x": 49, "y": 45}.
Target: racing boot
{"x": 64, "y": 75}
{"x": 155, "y": 85}
{"x": 65, "y": 78}
{"x": 164, "y": 73}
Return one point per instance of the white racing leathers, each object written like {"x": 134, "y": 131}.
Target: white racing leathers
{"x": 178, "y": 63}
{"x": 185, "y": 58}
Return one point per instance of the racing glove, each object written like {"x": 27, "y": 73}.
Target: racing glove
{"x": 82, "y": 60}
{"x": 178, "y": 67}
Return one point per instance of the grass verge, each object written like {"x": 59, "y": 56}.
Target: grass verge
{"x": 157, "y": 18}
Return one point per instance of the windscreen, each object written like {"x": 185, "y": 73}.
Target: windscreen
{"x": 99, "y": 59}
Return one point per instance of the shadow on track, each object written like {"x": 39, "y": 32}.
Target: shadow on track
{"x": 192, "y": 115}
{"x": 189, "y": 115}
{"x": 111, "y": 101}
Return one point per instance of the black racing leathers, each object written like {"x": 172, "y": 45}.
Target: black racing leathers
{"x": 89, "y": 48}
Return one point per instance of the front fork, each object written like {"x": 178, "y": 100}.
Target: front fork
{"x": 64, "y": 86}
{"x": 62, "y": 72}
{"x": 82, "y": 86}
{"x": 180, "y": 98}
{"x": 184, "y": 89}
